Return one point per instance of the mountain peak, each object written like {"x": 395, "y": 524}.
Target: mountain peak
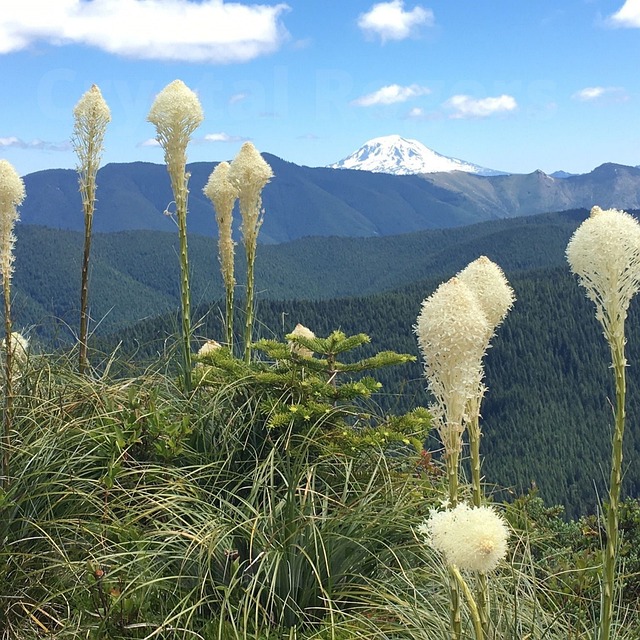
{"x": 402, "y": 156}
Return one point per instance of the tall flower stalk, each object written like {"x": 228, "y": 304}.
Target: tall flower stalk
{"x": 176, "y": 114}
{"x": 495, "y": 297}
{"x": 11, "y": 196}
{"x": 91, "y": 116}
{"x": 250, "y": 173}
{"x": 223, "y": 194}
{"x": 604, "y": 253}
{"x": 452, "y": 335}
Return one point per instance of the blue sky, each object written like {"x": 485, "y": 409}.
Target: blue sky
{"x": 510, "y": 85}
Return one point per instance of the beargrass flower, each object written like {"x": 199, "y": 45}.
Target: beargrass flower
{"x": 176, "y": 114}
{"x": 223, "y": 194}
{"x": 471, "y": 538}
{"x": 91, "y": 116}
{"x": 12, "y": 194}
{"x": 488, "y": 282}
{"x": 298, "y": 349}
{"x": 251, "y": 173}
{"x": 20, "y": 346}
{"x": 452, "y": 335}
{"x": 604, "y": 252}
{"x": 209, "y": 347}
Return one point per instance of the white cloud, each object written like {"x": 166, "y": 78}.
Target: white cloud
{"x": 627, "y": 16}
{"x": 468, "y": 107}
{"x": 223, "y": 137}
{"x": 390, "y": 94}
{"x": 17, "y": 143}
{"x": 589, "y": 94}
{"x": 390, "y": 21}
{"x": 208, "y": 31}
{"x": 149, "y": 142}
{"x": 238, "y": 97}
{"x": 416, "y": 112}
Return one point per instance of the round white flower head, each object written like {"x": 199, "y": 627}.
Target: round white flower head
{"x": 11, "y": 196}
{"x": 488, "y": 282}
{"x": 604, "y": 252}
{"x": 20, "y": 348}
{"x": 210, "y": 346}
{"x": 176, "y": 114}
{"x": 250, "y": 173}
{"x": 472, "y": 538}
{"x": 452, "y": 335}
{"x": 303, "y": 332}
{"x": 223, "y": 193}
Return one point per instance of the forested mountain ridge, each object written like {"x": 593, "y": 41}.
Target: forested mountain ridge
{"x": 306, "y": 201}
{"x": 135, "y": 274}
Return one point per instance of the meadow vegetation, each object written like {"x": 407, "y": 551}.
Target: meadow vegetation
{"x": 254, "y": 489}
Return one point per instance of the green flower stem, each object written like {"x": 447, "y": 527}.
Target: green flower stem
{"x": 473, "y": 608}
{"x": 84, "y": 290}
{"x": 229, "y": 315}
{"x": 8, "y": 389}
{"x": 615, "y": 482}
{"x": 473, "y": 429}
{"x": 180, "y": 194}
{"x": 453, "y": 457}
{"x": 454, "y": 605}
{"x": 248, "y": 328}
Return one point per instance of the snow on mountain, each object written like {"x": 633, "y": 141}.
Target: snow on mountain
{"x": 400, "y": 156}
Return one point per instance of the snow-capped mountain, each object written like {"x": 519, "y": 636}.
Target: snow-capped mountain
{"x": 400, "y": 156}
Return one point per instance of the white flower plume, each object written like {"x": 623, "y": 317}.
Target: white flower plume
{"x": 11, "y": 196}
{"x": 604, "y": 252}
{"x": 211, "y": 31}
{"x": 176, "y": 114}
{"x": 453, "y": 333}
{"x": 490, "y": 286}
{"x": 471, "y": 538}
{"x": 223, "y": 194}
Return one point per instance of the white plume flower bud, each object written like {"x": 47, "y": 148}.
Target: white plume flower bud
{"x": 19, "y": 349}
{"x": 12, "y": 194}
{"x": 176, "y": 114}
{"x": 488, "y": 282}
{"x": 250, "y": 172}
{"x": 91, "y": 116}
{"x": 453, "y": 333}
{"x": 303, "y": 332}
{"x": 471, "y": 538}
{"x": 210, "y": 346}
{"x": 604, "y": 252}
{"x": 223, "y": 194}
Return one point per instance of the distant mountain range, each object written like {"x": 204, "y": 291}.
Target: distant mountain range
{"x": 401, "y": 157}
{"x": 304, "y": 201}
